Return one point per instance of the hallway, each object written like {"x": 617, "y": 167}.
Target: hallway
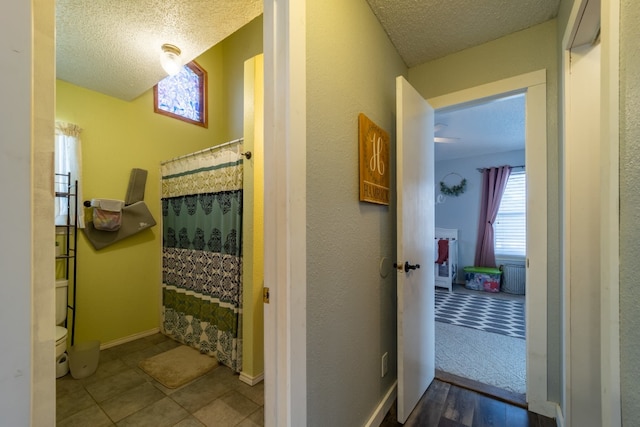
{"x": 448, "y": 405}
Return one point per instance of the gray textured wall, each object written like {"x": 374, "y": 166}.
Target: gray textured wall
{"x": 630, "y": 210}
{"x": 351, "y": 309}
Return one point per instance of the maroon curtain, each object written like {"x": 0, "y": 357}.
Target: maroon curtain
{"x": 494, "y": 181}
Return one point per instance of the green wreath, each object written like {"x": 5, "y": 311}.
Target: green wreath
{"x": 456, "y": 190}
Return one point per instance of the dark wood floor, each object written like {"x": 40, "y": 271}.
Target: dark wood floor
{"x": 448, "y": 405}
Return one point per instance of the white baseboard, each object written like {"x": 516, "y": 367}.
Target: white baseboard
{"x": 248, "y": 379}
{"x": 384, "y": 406}
{"x": 559, "y": 417}
{"x": 546, "y": 408}
{"x": 129, "y": 338}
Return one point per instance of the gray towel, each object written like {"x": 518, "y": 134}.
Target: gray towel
{"x": 135, "y": 191}
{"x": 135, "y": 218}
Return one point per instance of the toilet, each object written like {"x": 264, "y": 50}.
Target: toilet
{"x": 62, "y": 359}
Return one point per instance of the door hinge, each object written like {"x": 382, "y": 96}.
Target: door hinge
{"x": 265, "y": 295}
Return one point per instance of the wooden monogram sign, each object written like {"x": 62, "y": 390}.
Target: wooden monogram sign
{"x": 374, "y": 162}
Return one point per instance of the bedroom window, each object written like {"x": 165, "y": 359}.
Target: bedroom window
{"x": 183, "y": 95}
{"x": 510, "y": 227}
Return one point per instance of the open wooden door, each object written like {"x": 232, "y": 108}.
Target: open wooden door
{"x": 416, "y": 250}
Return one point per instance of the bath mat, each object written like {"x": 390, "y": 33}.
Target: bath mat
{"x": 498, "y": 316}
{"x": 178, "y": 366}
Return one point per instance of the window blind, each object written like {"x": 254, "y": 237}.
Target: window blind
{"x": 510, "y": 227}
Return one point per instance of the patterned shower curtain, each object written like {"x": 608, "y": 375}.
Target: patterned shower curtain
{"x": 202, "y": 252}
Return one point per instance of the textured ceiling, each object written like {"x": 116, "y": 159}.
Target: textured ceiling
{"x": 113, "y": 46}
{"x": 491, "y": 127}
{"x": 422, "y": 30}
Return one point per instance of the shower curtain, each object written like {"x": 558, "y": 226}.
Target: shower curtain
{"x": 202, "y": 251}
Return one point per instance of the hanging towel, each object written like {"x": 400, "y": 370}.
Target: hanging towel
{"x": 108, "y": 204}
{"x": 443, "y": 251}
{"x": 135, "y": 190}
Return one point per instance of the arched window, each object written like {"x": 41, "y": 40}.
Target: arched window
{"x": 183, "y": 95}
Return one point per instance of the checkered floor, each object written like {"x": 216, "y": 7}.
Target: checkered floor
{"x": 485, "y": 313}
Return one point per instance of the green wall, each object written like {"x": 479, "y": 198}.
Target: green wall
{"x": 118, "y": 287}
{"x": 351, "y": 309}
{"x": 253, "y": 222}
{"x": 236, "y": 49}
{"x": 629, "y": 210}
{"x": 521, "y": 52}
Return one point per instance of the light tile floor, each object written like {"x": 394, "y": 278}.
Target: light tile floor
{"x": 121, "y": 394}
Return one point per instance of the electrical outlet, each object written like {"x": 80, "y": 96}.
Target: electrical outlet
{"x": 385, "y": 364}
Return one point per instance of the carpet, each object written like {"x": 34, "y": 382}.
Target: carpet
{"x": 178, "y": 366}
{"x": 489, "y": 358}
{"x": 485, "y": 313}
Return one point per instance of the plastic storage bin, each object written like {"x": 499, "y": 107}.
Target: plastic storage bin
{"x": 83, "y": 359}
{"x": 482, "y": 279}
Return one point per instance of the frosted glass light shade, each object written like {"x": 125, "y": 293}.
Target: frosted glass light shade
{"x": 170, "y": 59}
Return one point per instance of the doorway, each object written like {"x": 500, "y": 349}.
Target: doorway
{"x": 533, "y": 85}
{"x": 480, "y": 334}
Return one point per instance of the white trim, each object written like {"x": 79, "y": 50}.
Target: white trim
{"x": 609, "y": 209}
{"x": 248, "y": 379}
{"x": 559, "y": 417}
{"x": 572, "y": 24}
{"x": 610, "y": 219}
{"x": 285, "y": 255}
{"x": 543, "y": 407}
{"x": 565, "y": 249}
{"x": 533, "y": 84}
{"x": 489, "y": 90}
{"x": 536, "y": 161}
{"x": 129, "y": 338}
{"x": 383, "y": 407}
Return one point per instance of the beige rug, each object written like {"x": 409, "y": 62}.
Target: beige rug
{"x": 178, "y": 366}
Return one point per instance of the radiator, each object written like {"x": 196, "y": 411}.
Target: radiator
{"x": 513, "y": 278}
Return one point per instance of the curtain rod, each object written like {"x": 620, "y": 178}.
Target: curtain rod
{"x": 247, "y": 154}
{"x": 512, "y": 167}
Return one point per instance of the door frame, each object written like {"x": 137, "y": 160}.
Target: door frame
{"x": 609, "y": 193}
{"x": 285, "y": 257}
{"x": 534, "y": 86}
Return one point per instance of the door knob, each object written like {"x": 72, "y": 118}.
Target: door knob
{"x": 406, "y": 266}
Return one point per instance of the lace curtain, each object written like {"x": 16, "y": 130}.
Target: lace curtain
{"x": 68, "y": 159}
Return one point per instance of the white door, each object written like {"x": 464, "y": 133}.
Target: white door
{"x": 416, "y": 250}
{"x": 582, "y": 191}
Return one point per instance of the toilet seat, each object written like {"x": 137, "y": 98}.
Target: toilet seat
{"x": 61, "y": 340}
{"x": 61, "y": 334}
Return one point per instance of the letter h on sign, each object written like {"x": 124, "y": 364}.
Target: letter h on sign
{"x": 374, "y": 161}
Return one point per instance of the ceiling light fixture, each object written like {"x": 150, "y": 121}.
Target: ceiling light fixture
{"x": 170, "y": 59}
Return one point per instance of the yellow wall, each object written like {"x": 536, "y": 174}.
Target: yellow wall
{"x": 118, "y": 287}
{"x": 253, "y": 222}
